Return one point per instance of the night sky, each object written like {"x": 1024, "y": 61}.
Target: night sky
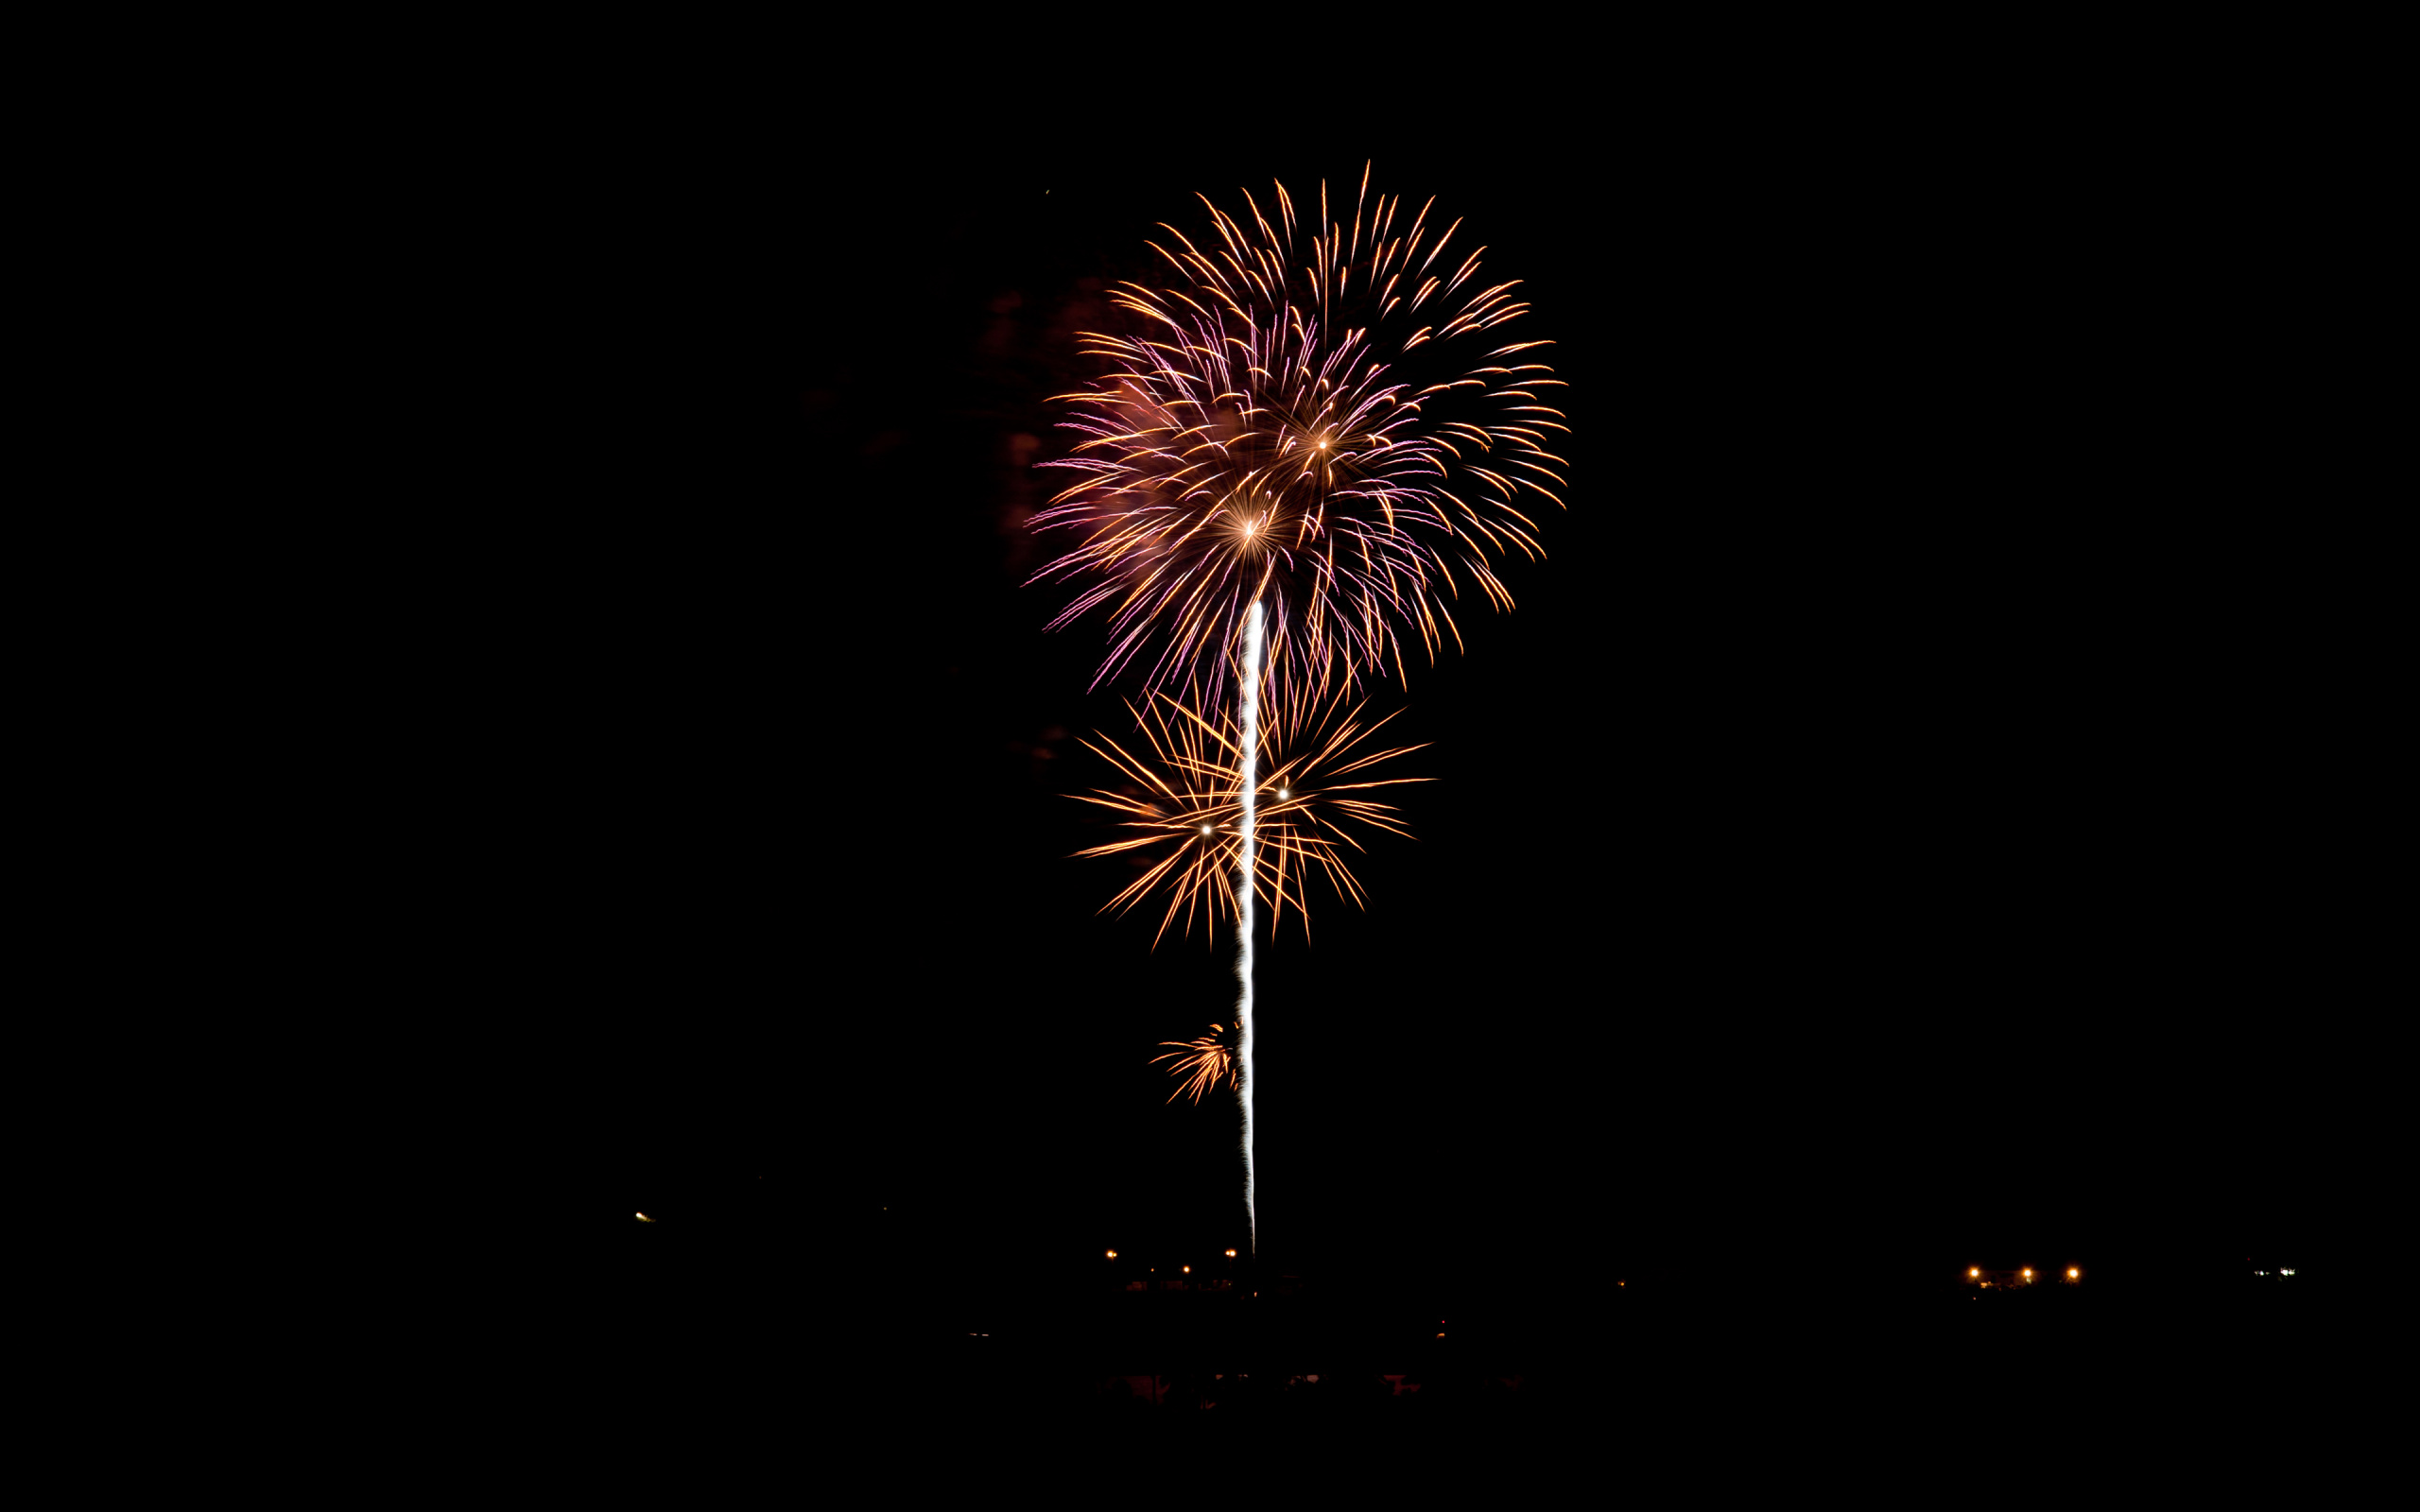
{"x": 1892, "y": 832}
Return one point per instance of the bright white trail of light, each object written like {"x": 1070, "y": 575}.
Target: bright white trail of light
{"x": 1248, "y": 696}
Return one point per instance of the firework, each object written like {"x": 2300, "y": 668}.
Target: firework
{"x": 1300, "y": 451}
{"x": 1325, "y": 421}
{"x": 1183, "y": 812}
{"x": 1247, "y": 795}
{"x": 1204, "y": 1063}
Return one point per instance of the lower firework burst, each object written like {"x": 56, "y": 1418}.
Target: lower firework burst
{"x": 1182, "y": 808}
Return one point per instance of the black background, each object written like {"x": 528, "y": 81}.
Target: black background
{"x": 1909, "y": 821}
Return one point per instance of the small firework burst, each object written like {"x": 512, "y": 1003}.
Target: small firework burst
{"x": 1204, "y": 1064}
{"x": 1184, "y": 808}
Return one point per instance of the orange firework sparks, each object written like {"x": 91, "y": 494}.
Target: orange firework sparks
{"x": 1204, "y": 1063}
{"x": 1319, "y": 418}
{"x": 1184, "y": 808}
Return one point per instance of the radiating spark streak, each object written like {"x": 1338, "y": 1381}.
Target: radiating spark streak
{"x": 1248, "y": 696}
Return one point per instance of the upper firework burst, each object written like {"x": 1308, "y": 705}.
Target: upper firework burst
{"x": 1322, "y": 418}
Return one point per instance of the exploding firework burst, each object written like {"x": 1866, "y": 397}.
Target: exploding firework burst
{"x": 1184, "y": 808}
{"x": 1321, "y": 419}
{"x": 1204, "y": 1063}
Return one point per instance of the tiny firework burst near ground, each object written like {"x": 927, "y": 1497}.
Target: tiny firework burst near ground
{"x": 1325, "y": 420}
{"x": 1204, "y": 1063}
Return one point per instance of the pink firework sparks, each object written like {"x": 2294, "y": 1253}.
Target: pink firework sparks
{"x": 1326, "y": 419}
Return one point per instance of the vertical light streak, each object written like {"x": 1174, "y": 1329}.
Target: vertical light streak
{"x": 1247, "y": 697}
